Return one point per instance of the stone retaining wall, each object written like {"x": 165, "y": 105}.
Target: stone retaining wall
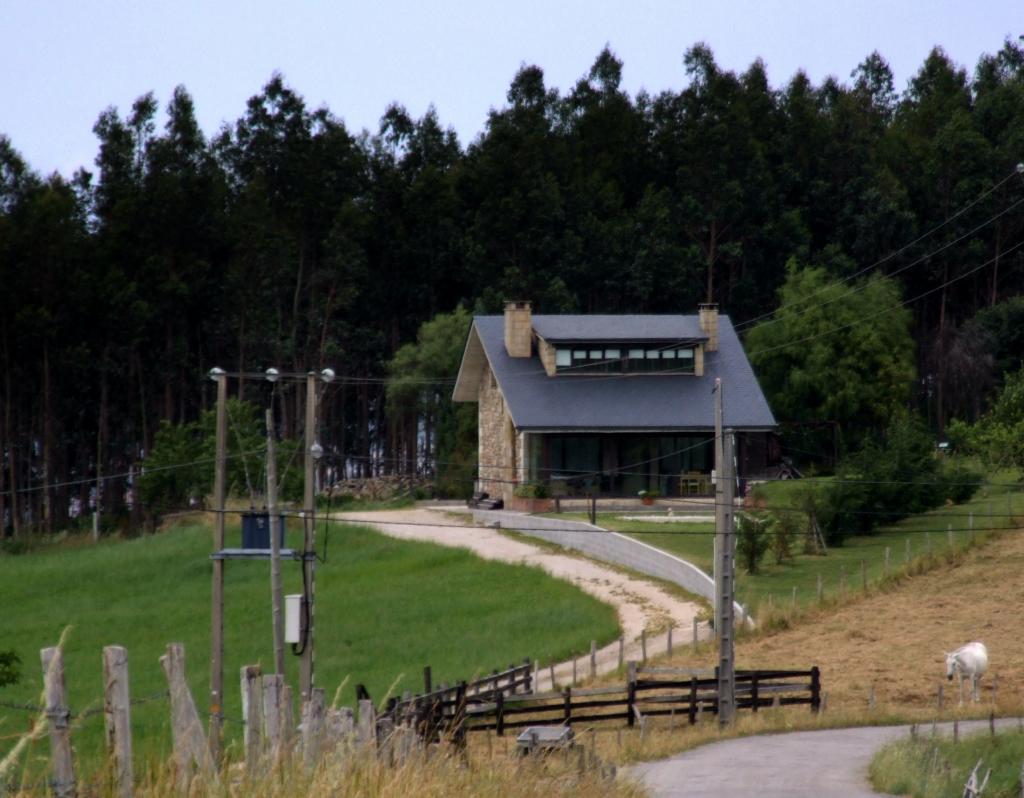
{"x": 610, "y": 547}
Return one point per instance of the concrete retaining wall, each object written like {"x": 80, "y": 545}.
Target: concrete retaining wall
{"x": 610, "y": 547}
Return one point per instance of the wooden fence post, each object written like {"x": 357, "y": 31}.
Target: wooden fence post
{"x": 630, "y": 692}
{"x": 887, "y": 559}
{"x": 622, "y": 650}
{"x": 252, "y": 714}
{"x": 669, "y": 643}
{"x": 906, "y": 550}
{"x": 815, "y": 689}
{"x": 753, "y": 691}
{"x": 499, "y": 712}
{"x": 190, "y": 746}
{"x": 273, "y": 683}
{"x": 313, "y": 713}
{"x": 695, "y": 638}
{"x": 567, "y": 706}
{"x": 692, "y": 709}
{"x": 821, "y": 589}
{"x": 551, "y": 673}
{"x": 287, "y": 706}
{"x": 117, "y": 717}
{"x": 367, "y": 725}
{"x": 643, "y": 646}
{"x": 593, "y": 659}
{"x": 59, "y": 718}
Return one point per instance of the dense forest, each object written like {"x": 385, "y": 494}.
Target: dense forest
{"x": 288, "y": 240}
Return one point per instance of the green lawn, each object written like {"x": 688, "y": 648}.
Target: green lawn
{"x": 385, "y": 608}
{"x": 694, "y": 542}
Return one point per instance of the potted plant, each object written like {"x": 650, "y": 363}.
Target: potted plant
{"x": 531, "y": 497}
{"x": 648, "y": 496}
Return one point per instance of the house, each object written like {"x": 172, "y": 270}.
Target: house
{"x": 612, "y": 405}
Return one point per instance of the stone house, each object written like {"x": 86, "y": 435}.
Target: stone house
{"x": 611, "y": 405}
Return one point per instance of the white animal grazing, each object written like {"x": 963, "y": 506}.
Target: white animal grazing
{"x": 969, "y": 661}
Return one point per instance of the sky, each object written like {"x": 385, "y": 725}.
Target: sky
{"x": 62, "y": 62}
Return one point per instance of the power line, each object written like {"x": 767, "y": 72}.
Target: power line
{"x": 897, "y": 252}
{"x": 890, "y": 309}
{"x": 857, "y": 289}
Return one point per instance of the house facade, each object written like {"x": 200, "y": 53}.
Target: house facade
{"x": 609, "y": 405}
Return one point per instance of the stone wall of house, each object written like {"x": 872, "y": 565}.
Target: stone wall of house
{"x": 547, "y": 355}
{"x": 497, "y": 440}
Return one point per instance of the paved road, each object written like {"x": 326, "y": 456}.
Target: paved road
{"x": 810, "y": 764}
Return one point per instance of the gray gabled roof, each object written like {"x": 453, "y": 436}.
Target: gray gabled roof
{"x": 608, "y": 402}
{"x": 618, "y": 328}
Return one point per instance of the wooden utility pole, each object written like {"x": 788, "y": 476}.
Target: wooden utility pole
{"x": 217, "y": 593}
{"x": 309, "y": 544}
{"x": 725, "y": 566}
{"x": 273, "y": 522}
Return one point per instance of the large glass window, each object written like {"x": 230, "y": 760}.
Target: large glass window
{"x": 630, "y": 360}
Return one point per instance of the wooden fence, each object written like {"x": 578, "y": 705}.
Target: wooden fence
{"x": 499, "y": 701}
{"x": 648, "y": 692}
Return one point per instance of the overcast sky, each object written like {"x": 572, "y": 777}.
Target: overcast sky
{"x": 63, "y": 61}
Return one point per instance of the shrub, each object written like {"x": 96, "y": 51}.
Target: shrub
{"x": 531, "y": 490}
{"x": 752, "y": 539}
{"x": 784, "y": 526}
{"x": 10, "y": 672}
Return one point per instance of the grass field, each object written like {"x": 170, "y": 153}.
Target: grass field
{"x": 938, "y": 767}
{"x": 842, "y": 565}
{"x": 385, "y": 608}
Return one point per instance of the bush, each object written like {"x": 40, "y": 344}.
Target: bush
{"x": 888, "y": 480}
{"x": 784, "y": 527}
{"x": 752, "y": 539}
{"x": 10, "y": 672}
{"x": 531, "y": 490}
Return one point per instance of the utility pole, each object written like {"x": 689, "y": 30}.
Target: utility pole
{"x": 217, "y": 593}
{"x": 275, "y": 547}
{"x": 725, "y": 566}
{"x": 309, "y": 541}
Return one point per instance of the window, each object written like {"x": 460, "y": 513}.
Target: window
{"x": 665, "y": 357}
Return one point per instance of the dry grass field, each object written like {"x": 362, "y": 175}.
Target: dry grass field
{"x": 893, "y": 639}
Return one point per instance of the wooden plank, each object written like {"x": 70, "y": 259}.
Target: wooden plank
{"x": 117, "y": 718}
{"x": 188, "y": 739}
{"x": 252, "y": 712}
{"x": 58, "y": 717}
{"x": 313, "y": 717}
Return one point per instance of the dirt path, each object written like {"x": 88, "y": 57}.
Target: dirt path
{"x": 640, "y": 604}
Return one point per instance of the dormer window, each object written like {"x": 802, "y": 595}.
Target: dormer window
{"x": 669, "y": 357}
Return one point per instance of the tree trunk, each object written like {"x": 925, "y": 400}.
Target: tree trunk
{"x": 47, "y": 496}
{"x": 12, "y": 453}
{"x": 168, "y": 371}
{"x": 993, "y": 296}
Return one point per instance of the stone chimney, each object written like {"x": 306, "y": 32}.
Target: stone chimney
{"x": 709, "y": 324}
{"x": 518, "y": 329}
